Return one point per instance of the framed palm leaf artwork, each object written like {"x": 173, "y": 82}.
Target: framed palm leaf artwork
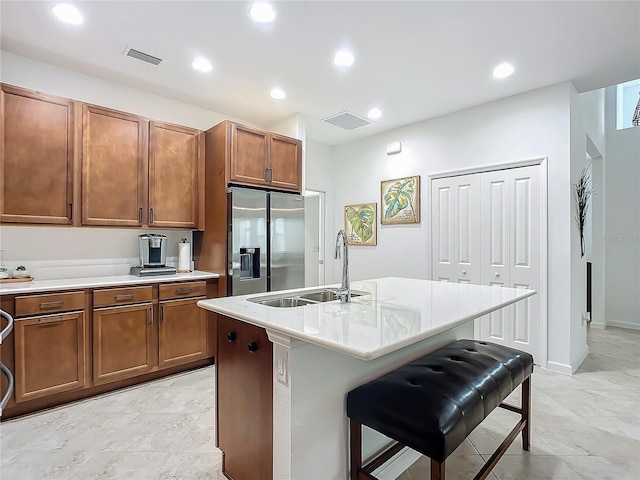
{"x": 360, "y": 224}
{"x": 400, "y": 200}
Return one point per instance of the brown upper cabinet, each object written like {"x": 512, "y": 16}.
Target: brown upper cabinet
{"x": 114, "y": 167}
{"x": 176, "y": 179}
{"x": 66, "y": 162}
{"x": 136, "y": 172}
{"x": 260, "y": 158}
{"x": 36, "y": 157}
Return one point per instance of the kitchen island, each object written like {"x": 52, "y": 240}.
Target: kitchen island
{"x": 287, "y": 420}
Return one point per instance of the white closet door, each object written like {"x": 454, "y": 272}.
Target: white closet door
{"x": 526, "y": 225}
{"x": 455, "y": 224}
{"x": 511, "y": 226}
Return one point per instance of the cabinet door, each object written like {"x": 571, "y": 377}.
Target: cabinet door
{"x": 175, "y": 154}
{"x": 122, "y": 342}
{"x": 183, "y": 332}
{"x": 36, "y": 157}
{"x": 244, "y": 400}
{"x": 249, "y": 156}
{"x": 114, "y": 168}
{"x": 285, "y": 156}
{"x": 49, "y": 355}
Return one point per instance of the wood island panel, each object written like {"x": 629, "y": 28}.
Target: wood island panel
{"x": 244, "y": 415}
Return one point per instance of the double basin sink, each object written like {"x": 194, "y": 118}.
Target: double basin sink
{"x": 293, "y": 299}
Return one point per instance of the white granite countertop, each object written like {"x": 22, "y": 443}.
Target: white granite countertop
{"x": 93, "y": 282}
{"x": 391, "y": 314}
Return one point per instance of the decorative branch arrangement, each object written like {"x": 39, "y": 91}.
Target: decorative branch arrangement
{"x": 583, "y": 193}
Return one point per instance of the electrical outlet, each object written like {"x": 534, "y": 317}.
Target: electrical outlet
{"x": 282, "y": 365}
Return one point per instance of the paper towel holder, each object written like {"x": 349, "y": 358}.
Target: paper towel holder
{"x": 184, "y": 256}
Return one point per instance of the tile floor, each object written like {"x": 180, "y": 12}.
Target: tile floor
{"x": 585, "y": 426}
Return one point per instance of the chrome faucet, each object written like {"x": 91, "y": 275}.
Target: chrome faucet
{"x": 345, "y": 290}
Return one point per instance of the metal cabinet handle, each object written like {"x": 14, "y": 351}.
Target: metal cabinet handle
{"x": 151, "y": 316}
{"x": 184, "y": 290}
{"x": 121, "y": 298}
{"x": 140, "y": 215}
{"x": 70, "y": 211}
{"x": 231, "y": 336}
{"x": 7, "y": 396}
{"x": 51, "y": 304}
{"x": 269, "y": 174}
{"x": 464, "y": 272}
{"x": 50, "y": 319}
{"x": 7, "y": 330}
{"x": 151, "y": 215}
{"x": 253, "y": 347}
{"x": 161, "y": 315}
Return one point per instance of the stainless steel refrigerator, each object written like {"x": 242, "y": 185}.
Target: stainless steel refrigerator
{"x": 266, "y": 241}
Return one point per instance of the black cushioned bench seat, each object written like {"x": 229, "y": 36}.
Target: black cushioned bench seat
{"x": 433, "y": 403}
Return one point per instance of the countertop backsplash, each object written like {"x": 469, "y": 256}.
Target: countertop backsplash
{"x": 97, "y": 267}
{"x": 51, "y": 253}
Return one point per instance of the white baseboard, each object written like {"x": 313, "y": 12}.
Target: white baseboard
{"x": 598, "y": 325}
{"x": 576, "y": 363}
{"x": 397, "y": 465}
{"x": 629, "y": 325}
{"x": 559, "y": 367}
{"x": 566, "y": 368}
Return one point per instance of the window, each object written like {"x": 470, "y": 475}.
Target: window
{"x": 627, "y": 99}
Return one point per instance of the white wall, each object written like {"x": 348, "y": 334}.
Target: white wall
{"x": 320, "y": 177}
{"x": 622, "y": 241}
{"x": 532, "y": 125}
{"x": 93, "y": 250}
{"x": 587, "y": 138}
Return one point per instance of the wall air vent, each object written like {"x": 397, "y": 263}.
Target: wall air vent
{"x": 145, "y": 57}
{"x": 347, "y": 120}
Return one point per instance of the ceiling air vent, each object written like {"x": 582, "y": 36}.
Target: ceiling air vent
{"x": 347, "y": 120}
{"x": 145, "y": 57}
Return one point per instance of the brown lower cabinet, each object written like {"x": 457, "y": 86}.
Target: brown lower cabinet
{"x": 244, "y": 386}
{"x": 71, "y": 345}
{"x": 182, "y": 336}
{"x": 49, "y": 355}
{"x": 122, "y": 342}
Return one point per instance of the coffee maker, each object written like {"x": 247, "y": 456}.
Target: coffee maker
{"x": 153, "y": 256}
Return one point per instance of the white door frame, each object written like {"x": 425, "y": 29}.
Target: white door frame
{"x": 542, "y": 294}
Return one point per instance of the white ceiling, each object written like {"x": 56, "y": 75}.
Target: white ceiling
{"x": 414, "y": 60}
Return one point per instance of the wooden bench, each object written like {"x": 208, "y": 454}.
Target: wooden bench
{"x": 433, "y": 403}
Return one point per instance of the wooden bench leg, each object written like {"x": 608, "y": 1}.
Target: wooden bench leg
{"x": 355, "y": 443}
{"x": 437, "y": 470}
{"x": 526, "y": 414}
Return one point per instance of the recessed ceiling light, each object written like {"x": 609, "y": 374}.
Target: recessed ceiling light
{"x": 278, "y": 93}
{"x": 67, "y": 13}
{"x": 343, "y": 58}
{"x": 374, "y": 113}
{"x": 503, "y": 70}
{"x": 262, "y": 12}
{"x": 202, "y": 64}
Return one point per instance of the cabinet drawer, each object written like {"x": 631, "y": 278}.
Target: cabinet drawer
{"x": 58, "y": 302}
{"x": 121, "y": 296}
{"x": 182, "y": 290}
